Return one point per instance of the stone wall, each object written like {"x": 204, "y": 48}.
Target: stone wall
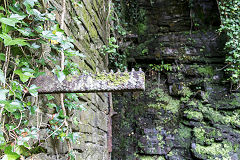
{"x": 187, "y": 110}
{"x": 85, "y": 22}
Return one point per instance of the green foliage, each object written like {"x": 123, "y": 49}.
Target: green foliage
{"x": 115, "y": 58}
{"x": 186, "y": 93}
{"x": 161, "y": 67}
{"x": 117, "y": 31}
{"x": 131, "y": 15}
{"x": 24, "y": 31}
{"x": 230, "y": 13}
{"x": 206, "y": 70}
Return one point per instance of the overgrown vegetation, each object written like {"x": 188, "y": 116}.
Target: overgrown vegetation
{"x": 116, "y": 59}
{"x": 31, "y": 41}
{"x": 230, "y": 24}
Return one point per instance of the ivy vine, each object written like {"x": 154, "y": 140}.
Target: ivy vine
{"x": 230, "y": 13}
{"x": 31, "y": 42}
{"x": 117, "y": 60}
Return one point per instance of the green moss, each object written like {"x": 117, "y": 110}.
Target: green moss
{"x": 147, "y": 158}
{"x": 161, "y": 142}
{"x": 141, "y": 28}
{"x": 184, "y": 132}
{"x": 141, "y": 25}
{"x": 194, "y": 115}
{"x": 235, "y": 147}
{"x": 215, "y": 150}
{"x": 170, "y": 154}
{"x": 206, "y": 70}
{"x": 164, "y": 101}
{"x": 142, "y": 48}
{"x": 151, "y": 158}
{"x": 217, "y": 117}
{"x": 200, "y": 135}
{"x": 86, "y": 18}
{"x": 115, "y": 78}
{"x": 183, "y": 136}
{"x": 161, "y": 158}
{"x": 229, "y": 102}
{"x": 186, "y": 93}
{"x": 38, "y": 149}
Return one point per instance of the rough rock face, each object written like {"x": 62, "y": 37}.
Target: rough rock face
{"x": 187, "y": 111}
{"x": 85, "y": 22}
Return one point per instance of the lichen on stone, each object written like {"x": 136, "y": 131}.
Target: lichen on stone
{"x": 115, "y": 78}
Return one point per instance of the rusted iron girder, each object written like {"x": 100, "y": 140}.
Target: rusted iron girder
{"x": 86, "y": 83}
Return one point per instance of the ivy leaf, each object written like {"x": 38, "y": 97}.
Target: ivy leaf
{"x": 30, "y": 2}
{"x": 67, "y": 45}
{"x": 49, "y": 97}
{"x": 17, "y": 16}
{"x": 3, "y": 93}
{"x": 21, "y": 149}
{"x": 75, "y": 121}
{"x": 2, "y": 139}
{"x": 8, "y": 41}
{"x": 9, "y": 21}
{"x": 61, "y": 76}
{"x": 2, "y": 78}
{"x": 24, "y": 76}
{"x": 1, "y": 8}
{"x": 38, "y": 14}
{"x": 18, "y": 41}
{"x": 56, "y": 28}
{"x": 51, "y": 105}
{"x": 9, "y": 155}
{"x": 13, "y": 106}
{"x": 26, "y": 69}
{"x": 48, "y": 35}
{"x": 6, "y": 37}
{"x": 51, "y": 16}
{"x": 35, "y": 46}
{"x": 73, "y": 136}
{"x": 25, "y": 31}
{"x": 39, "y": 29}
{"x": 33, "y": 90}
{"x": 71, "y": 52}
{"x": 32, "y": 109}
{"x": 6, "y": 28}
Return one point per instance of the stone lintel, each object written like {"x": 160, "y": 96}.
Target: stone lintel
{"x": 86, "y": 83}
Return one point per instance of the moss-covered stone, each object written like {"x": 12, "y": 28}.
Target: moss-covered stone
{"x": 190, "y": 114}
{"x": 151, "y": 158}
{"x": 164, "y": 101}
{"x": 213, "y": 151}
{"x": 208, "y": 70}
{"x": 198, "y": 116}
{"x": 116, "y": 78}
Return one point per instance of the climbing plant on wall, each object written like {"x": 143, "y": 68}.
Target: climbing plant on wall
{"x": 230, "y": 24}
{"x": 116, "y": 59}
{"x": 31, "y": 41}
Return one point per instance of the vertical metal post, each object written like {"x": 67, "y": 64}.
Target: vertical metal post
{"x": 109, "y": 134}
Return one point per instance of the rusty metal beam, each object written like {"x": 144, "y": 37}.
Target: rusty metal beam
{"x": 86, "y": 83}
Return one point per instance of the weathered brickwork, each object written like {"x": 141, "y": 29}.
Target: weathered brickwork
{"x": 85, "y": 22}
